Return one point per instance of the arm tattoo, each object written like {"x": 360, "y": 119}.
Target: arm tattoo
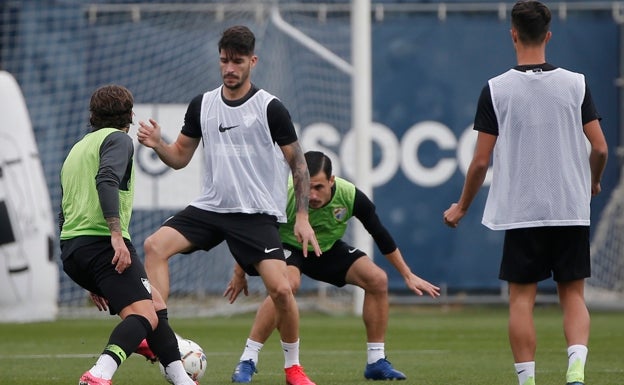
{"x": 301, "y": 178}
{"x": 113, "y": 224}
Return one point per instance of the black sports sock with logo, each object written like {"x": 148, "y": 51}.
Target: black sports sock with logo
{"x": 126, "y": 337}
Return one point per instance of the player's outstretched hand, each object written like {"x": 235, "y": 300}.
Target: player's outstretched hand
{"x": 420, "y": 286}
{"x": 453, "y": 215}
{"x": 149, "y": 133}
{"x": 237, "y": 284}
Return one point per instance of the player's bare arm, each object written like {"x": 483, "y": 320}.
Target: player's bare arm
{"x": 301, "y": 176}
{"x": 412, "y": 281}
{"x": 121, "y": 259}
{"x": 175, "y": 155}
{"x": 474, "y": 179}
{"x": 598, "y": 154}
{"x": 301, "y": 184}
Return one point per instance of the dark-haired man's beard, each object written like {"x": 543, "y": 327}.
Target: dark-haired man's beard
{"x": 229, "y": 83}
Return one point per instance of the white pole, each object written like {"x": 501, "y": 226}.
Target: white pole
{"x": 361, "y": 120}
{"x": 310, "y": 43}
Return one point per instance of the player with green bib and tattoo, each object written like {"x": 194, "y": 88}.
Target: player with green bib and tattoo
{"x": 97, "y": 181}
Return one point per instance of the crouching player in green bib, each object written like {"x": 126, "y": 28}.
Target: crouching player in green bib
{"x": 333, "y": 201}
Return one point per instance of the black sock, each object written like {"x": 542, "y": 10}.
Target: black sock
{"x": 126, "y": 337}
{"x": 163, "y": 341}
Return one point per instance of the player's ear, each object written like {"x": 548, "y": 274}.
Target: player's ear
{"x": 253, "y": 60}
{"x": 332, "y": 179}
{"x": 514, "y": 35}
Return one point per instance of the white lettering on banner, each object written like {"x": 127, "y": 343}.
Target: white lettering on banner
{"x": 443, "y": 137}
{"x": 383, "y": 137}
{"x": 324, "y": 137}
{"x": 160, "y": 187}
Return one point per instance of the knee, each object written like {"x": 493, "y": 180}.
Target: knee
{"x": 281, "y": 295}
{"x": 145, "y": 310}
{"x": 151, "y": 250}
{"x": 377, "y": 283}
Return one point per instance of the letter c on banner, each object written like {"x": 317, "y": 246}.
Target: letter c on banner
{"x": 443, "y": 137}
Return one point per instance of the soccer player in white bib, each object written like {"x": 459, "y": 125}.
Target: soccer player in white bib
{"x": 249, "y": 147}
{"x": 534, "y": 120}
{"x": 333, "y": 202}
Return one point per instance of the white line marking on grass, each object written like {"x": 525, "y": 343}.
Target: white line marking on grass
{"x": 29, "y": 356}
{"x": 210, "y": 354}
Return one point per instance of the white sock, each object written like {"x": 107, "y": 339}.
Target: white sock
{"x": 525, "y": 370}
{"x": 252, "y": 348}
{"x": 577, "y": 352}
{"x": 375, "y": 351}
{"x": 291, "y": 353}
{"x": 577, "y": 355}
{"x": 177, "y": 374}
{"x": 105, "y": 367}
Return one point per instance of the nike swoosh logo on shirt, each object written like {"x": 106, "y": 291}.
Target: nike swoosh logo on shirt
{"x": 267, "y": 251}
{"x": 225, "y": 128}
{"x": 351, "y": 251}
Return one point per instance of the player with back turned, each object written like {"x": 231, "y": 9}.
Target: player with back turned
{"x": 534, "y": 120}
{"x": 97, "y": 182}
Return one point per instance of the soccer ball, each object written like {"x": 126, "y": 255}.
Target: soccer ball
{"x": 193, "y": 359}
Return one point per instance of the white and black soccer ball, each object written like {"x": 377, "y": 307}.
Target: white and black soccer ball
{"x": 192, "y": 357}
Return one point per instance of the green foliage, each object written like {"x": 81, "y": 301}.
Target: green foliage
{"x": 432, "y": 345}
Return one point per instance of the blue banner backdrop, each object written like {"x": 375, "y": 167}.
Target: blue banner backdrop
{"x": 424, "y": 70}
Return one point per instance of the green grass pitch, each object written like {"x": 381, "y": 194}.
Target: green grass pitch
{"x": 431, "y": 345}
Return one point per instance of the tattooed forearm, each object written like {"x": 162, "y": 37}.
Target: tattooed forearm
{"x": 113, "y": 224}
{"x": 301, "y": 177}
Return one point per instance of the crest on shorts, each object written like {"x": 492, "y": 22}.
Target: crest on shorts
{"x": 147, "y": 285}
{"x": 340, "y": 213}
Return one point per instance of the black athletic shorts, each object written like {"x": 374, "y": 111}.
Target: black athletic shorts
{"x": 534, "y": 254}
{"x": 330, "y": 267}
{"x": 89, "y": 265}
{"x": 251, "y": 238}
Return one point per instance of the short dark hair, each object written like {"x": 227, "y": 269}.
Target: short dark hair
{"x": 237, "y": 40}
{"x": 532, "y": 21}
{"x": 317, "y": 162}
{"x": 111, "y": 106}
